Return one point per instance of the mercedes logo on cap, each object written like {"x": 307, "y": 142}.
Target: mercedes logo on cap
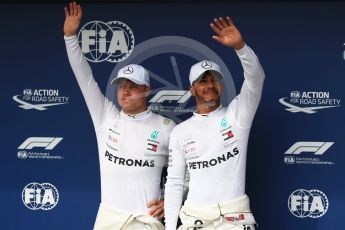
{"x": 128, "y": 70}
{"x": 206, "y": 65}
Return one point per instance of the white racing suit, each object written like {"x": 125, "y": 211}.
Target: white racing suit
{"x": 132, "y": 149}
{"x": 213, "y": 148}
{"x": 234, "y": 214}
{"x": 108, "y": 219}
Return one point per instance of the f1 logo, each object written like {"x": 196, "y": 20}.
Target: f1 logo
{"x": 48, "y": 143}
{"x": 181, "y": 96}
{"x": 318, "y": 148}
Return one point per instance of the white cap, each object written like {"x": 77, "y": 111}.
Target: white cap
{"x": 134, "y": 73}
{"x": 200, "y": 68}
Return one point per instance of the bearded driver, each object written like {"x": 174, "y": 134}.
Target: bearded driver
{"x": 212, "y": 144}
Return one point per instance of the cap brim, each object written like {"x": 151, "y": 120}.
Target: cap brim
{"x": 215, "y": 73}
{"x": 115, "y": 81}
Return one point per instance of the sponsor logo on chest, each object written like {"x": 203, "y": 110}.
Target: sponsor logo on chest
{"x": 214, "y": 161}
{"x": 226, "y": 133}
{"x": 152, "y": 143}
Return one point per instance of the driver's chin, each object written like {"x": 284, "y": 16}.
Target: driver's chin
{"x": 126, "y": 105}
{"x": 210, "y": 98}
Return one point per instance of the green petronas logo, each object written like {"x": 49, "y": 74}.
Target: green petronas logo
{"x": 154, "y": 134}
{"x": 224, "y": 123}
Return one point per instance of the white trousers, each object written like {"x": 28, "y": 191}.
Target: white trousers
{"x": 233, "y": 215}
{"x": 109, "y": 219}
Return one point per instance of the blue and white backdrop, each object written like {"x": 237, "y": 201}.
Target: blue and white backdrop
{"x": 49, "y": 164}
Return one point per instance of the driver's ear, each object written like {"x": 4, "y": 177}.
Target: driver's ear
{"x": 147, "y": 90}
{"x": 221, "y": 86}
{"x": 192, "y": 90}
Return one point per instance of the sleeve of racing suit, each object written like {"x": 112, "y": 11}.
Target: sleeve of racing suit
{"x": 246, "y": 102}
{"x": 96, "y": 102}
{"x": 186, "y": 185}
{"x": 170, "y": 125}
{"x": 175, "y": 184}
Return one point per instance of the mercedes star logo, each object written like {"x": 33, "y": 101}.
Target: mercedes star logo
{"x": 206, "y": 65}
{"x": 128, "y": 70}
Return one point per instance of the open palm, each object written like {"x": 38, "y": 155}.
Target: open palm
{"x": 227, "y": 33}
{"x": 72, "y": 20}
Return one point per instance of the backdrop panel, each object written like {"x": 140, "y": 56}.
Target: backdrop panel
{"x": 49, "y": 163}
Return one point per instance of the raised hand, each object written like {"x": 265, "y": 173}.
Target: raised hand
{"x": 72, "y": 20}
{"x": 227, "y": 33}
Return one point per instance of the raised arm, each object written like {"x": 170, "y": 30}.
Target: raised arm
{"x": 97, "y": 104}
{"x": 245, "y": 104}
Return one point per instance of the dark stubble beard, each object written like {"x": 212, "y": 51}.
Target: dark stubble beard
{"x": 202, "y": 100}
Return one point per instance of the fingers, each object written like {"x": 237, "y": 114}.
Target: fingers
{"x": 153, "y": 210}
{"x": 218, "y": 39}
{"x": 80, "y": 11}
{"x": 223, "y": 22}
{"x": 218, "y": 24}
{"x": 157, "y": 208}
{"x": 215, "y": 28}
{"x": 161, "y": 216}
{"x": 66, "y": 12}
{"x": 71, "y": 9}
{"x": 75, "y": 8}
{"x": 152, "y": 203}
{"x": 158, "y": 213}
{"x": 230, "y": 22}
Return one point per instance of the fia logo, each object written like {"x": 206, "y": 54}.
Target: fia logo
{"x": 112, "y": 41}
{"x": 39, "y": 99}
{"x": 22, "y": 155}
{"x": 308, "y": 102}
{"x": 289, "y": 160}
{"x": 27, "y": 93}
{"x": 303, "y": 203}
{"x": 43, "y": 196}
{"x": 295, "y": 95}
